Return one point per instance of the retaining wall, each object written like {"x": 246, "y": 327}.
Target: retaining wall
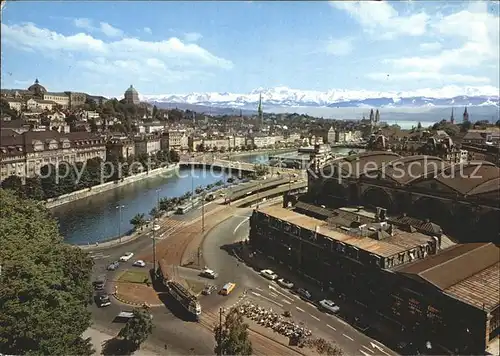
{"x": 85, "y": 193}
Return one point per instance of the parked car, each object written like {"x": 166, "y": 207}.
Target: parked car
{"x": 209, "y": 289}
{"x": 304, "y": 293}
{"x": 285, "y": 283}
{"x": 127, "y": 256}
{"x": 329, "y": 306}
{"x": 113, "y": 265}
{"x": 267, "y": 273}
{"x": 102, "y": 299}
{"x": 208, "y": 273}
{"x": 139, "y": 263}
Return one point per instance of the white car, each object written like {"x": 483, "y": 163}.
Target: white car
{"x": 156, "y": 227}
{"x": 285, "y": 283}
{"x": 127, "y": 256}
{"x": 329, "y": 306}
{"x": 208, "y": 273}
{"x": 267, "y": 273}
{"x": 139, "y": 263}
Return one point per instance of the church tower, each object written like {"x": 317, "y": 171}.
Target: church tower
{"x": 466, "y": 115}
{"x": 452, "y": 117}
{"x": 259, "y": 110}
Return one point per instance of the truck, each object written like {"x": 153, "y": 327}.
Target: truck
{"x": 186, "y": 298}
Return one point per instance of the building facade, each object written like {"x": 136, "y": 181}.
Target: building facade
{"x": 121, "y": 147}
{"x": 149, "y": 145}
{"x": 411, "y": 277}
{"x": 24, "y": 154}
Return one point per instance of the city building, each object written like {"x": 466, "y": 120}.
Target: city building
{"x": 331, "y": 135}
{"x": 402, "y": 271}
{"x": 150, "y": 127}
{"x": 23, "y": 154}
{"x": 121, "y": 147}
{"x": 14, "y": 104}
{"x": 147, "y": 144}
{"x": 131, "y": 96}
{"x": 175, "y": 139}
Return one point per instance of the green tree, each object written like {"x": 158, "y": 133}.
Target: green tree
{"x": 49, "y": 181}
{"x": 155, "y": 112}
{"x": 261, "y": 170}
{"x": 174, "y": 156}
{"x": 67, "y": 178}
{"x": 13, "y": 183}
{"x": 155, "y": 213}
{"x": 419, "y": 126}
{"x": 465, "y": 126}
{"x": 137, "y": 329}
{"x": 45, "y": 283}
{"x": 232, "y": 337}
{"x": 33, "y": 188}
{"x": 139, "y": 220}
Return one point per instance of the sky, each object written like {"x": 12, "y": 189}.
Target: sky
{"x": 163, "y": 47}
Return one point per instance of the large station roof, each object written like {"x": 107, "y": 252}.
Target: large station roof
{"x": 471, "y": 178}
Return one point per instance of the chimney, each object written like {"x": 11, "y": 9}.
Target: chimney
{"x": 390, "y": 230}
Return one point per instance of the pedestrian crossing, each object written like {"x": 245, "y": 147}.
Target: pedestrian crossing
{"x": 168, "y": 227}
{"x": 99, "y": 256}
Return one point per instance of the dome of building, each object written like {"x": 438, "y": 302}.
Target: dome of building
{"x": 131, "y": 90}
{"x": 131, "y": 96}
{"x": 36, "y": 88}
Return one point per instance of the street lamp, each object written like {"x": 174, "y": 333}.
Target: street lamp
{"x": 154, "y": 227}
{"x": 119, "y": 207}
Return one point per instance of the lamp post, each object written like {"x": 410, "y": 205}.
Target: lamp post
{"x": 192, "y": 188}
{"x": 119, "y": 207}
{"x": 154, "y": 227}
{"x": 203, "y": 212}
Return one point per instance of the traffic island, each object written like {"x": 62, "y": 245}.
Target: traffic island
{"x": 134, "y": 287}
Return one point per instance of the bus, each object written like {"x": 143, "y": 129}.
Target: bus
{"x": 227, "y": 289}
{"x": 183, "y": 209}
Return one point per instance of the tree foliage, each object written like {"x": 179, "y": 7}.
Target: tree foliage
{"x": 45, "y": 284}
{"x": 138, "y": 328}
{"x": 232, "y": 337}
{"x": 139, "y": 220}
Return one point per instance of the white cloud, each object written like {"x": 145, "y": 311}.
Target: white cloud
{"x": 147, "y": 30}
{"x": 430, "y": 46}
{"x": 104, "y": 27}
{"x": 170, "y": 57}
{"x": 381, "y": 19}
{"x": 434, "y": 76}
{"x": 109, "y": 30}
{"x": 339, "y": 47}
{"x": 468, "y": 40}
{"x": 192, "y": 37}
{"x": 83, "y": 23}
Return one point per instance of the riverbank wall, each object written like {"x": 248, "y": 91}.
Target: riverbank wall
{"x": 97, "y": 189}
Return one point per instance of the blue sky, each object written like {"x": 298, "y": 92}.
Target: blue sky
{"x": 183, "y": 47}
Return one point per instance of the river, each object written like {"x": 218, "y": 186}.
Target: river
{"x": 96, "y": 219}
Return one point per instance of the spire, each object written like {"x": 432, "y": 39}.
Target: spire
{"x": 259, "y": 109}
{"x": 452, "y": 117}
{"x": 36, "y": 81}
{"x": 466, "y": 115}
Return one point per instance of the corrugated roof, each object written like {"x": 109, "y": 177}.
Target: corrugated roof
{"x": 463, "y": 178}
{"x": 481, "y": 290}
{"x": 457, "y": 268}
{"x": 400, "y": 242}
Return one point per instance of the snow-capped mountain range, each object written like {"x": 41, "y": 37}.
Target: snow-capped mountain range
{"x": 286, "y": 97}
